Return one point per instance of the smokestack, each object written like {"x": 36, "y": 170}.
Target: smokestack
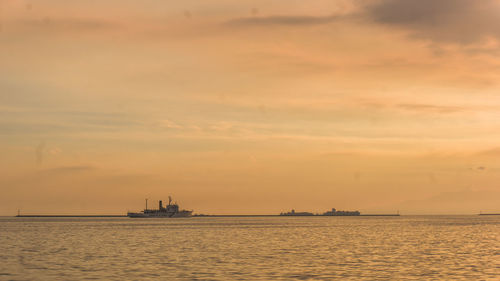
{"x": 161, "y": 205}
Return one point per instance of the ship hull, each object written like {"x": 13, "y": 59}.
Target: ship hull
{"x": 161, "y": 215}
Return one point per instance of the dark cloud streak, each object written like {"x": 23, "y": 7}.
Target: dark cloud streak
{"x": 431, "y": 108}
{"x": 463, "y": 22}
{"x": 282, "y": 20}
{"x": 455, "y": 21}
{"x": 70, "y": 169}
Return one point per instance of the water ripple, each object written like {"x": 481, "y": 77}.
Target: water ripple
{"x": 269, "y": 248}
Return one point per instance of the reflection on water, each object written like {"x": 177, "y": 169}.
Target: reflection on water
{"x": 268, "y": 248}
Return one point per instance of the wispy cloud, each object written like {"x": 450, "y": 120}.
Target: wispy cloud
{"x": 430, "y": 108}
{"x": 169, "y": 124}
{"x": 454, "y": 21}
{"x": 71, "y": 169}
{"x": 66, "y": 24}
{"x": 297, "y": 20}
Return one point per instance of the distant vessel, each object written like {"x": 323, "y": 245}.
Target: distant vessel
{"x": 333, "y": 212}
{"x": 169, "y": 211}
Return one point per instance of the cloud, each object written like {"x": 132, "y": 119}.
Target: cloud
{"x": 455, "y": 21}
{"x": 462, "y": 22}
{"x": 66, "y": 24}
{"x": 54, "y": 150}
{"x": 297, "y": 20}
{"x": 70, "y": 169}
{"x": 430, "y": 108}
{"x": 169, "y": 124}
{"x": 273, "y": 63}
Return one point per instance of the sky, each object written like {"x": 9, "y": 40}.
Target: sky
{"x": 250, "y": 107}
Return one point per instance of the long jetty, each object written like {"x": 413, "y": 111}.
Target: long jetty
{"x": 313, "y": 215}
{"x": 70, "y": 216}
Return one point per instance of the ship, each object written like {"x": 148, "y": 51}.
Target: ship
{"x": 169, "y": 211}
{"x": 333, "y": 212}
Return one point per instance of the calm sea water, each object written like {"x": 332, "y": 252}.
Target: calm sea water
{"x": 268, "y": 248}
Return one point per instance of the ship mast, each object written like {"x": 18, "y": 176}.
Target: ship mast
{"x": 146, "y": 203}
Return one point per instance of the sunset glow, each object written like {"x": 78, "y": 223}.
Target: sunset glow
{"x": 250, "y": 107}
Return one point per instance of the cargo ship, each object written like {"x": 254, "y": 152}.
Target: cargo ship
{"x": 333, "y": 212}
{"x": 169, "y": 211}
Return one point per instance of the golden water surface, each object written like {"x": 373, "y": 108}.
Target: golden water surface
{"x": 259, "y": 248}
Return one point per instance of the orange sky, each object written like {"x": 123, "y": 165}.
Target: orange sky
{"x": 250, "y": 107}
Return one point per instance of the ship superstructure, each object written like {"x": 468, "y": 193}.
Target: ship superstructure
{"x": 169, "y": 211}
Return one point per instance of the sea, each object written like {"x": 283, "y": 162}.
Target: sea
{"x": 251, "y": 248}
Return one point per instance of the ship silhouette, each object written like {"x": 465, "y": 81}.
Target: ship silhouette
{"x": 332, "y": 212}
{"x": 169, "y": 211}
